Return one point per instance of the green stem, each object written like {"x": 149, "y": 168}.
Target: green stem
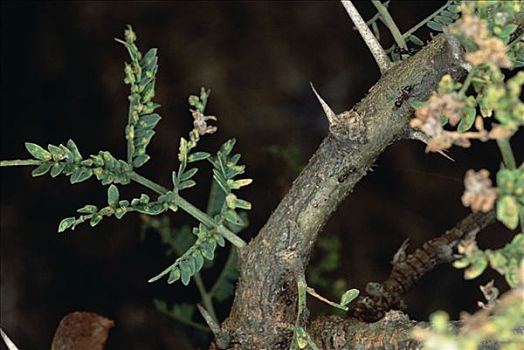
{"x": 190, "y": 323}
{"x": 390, "y": 23}
{"x": 20, "y": 162}
{"x": 424, "y": 21}
{"x": 206, "y": 297}
{"x": 147, "y": 183}
{"x": 376, "y": 16}
{"x": 190, "y": 209}
{"x": 507, "y": 154}
{"x": 467, "y": 82}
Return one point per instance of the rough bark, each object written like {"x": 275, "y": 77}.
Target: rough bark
{"x": 408, "y": 269}
{"x": 264, "y": 307}
{"x": 265, "y": 297}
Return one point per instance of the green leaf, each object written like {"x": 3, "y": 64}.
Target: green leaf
{"x": 194, "y": 157}
{"x": 120, "y": 212}
{"x": 435, "y": 26}
{"x": 140, "y": 160}
{"x": 66, "y": 223}
{"x": 478, "y": 265}
{"x": 227, "y": 147}
{"x": 467, "y": 120}
{"x": 186, "y": 184}
{"x": 37, "y": 151}
{"x": 508, "y": 212}
{"x": 55, "y": 151}
{"x": 95, "y": 219}
{"x": 174, "y": 275}
{"x": 74, "y": 149}
{"x": 185, "y": 272}
{"x": 461, "y": 263}
{"x": 188, "y": 174}
{"x": 88, "y": 209}
{"x": 199, "y": 260}
{"x": 208, "y": 250}
{"x": 80, "y": 174}
{"x": 348, "y": 296}
{"x": 443, "y": 19}
{"x": 42, "y": 169}
{"x": 113, "y": 196}
{"x": 232, "y": 217}
{"x": 57, "y": 169}
{"x": 416, "y": 40}
{"x": 149, "y": 121}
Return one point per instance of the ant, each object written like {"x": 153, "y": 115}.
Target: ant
{"x": 409, "y": 51}
{"x": 405, "y": 93}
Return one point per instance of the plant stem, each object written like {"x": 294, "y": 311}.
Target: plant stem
{"x": 467, "y": 82}
{"x": 390, "y": 23}
{"x": 206, "y": 297}
{"x": 424, "y": 21}
{"x": 190, "y": 323}
{"x": 377, "y": 51}
{"x": 507, "y": 154}
{"x": 20, "y": 162}
{"x": 190, "y": 209}
{"x": 510, "y": 164}
{"x": 376, "y": 16}
{"x": 313, "y": 293}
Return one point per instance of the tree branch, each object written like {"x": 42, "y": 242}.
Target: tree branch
{"x": 265, "y": 299}
{"x": 407, "y": 270}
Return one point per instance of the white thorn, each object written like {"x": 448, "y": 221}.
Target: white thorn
{"x": 420, "y": 136}
{"x": 8, "y": 342}
{"x": 327, "y": 110}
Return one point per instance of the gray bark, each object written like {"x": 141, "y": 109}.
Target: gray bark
{"x": 265, "y": 301}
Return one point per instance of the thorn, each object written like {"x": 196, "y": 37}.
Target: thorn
{"x": 420, "y": 136}
{"x": 222, "y": 338}
{"x": 327, "y": 110}
{"x": 400, "y": 255}
{"x": 8, "y": 342}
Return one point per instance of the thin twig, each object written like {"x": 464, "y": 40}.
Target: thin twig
{"x": 374, "y": 46}
{"x": 222, "y": 338}
{"x": 314, "y": 294}
{"x": 390, "y": 23}
{"x": 408, "y": 270}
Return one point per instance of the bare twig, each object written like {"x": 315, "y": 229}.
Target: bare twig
{"x": 374, "y": 46}
{"x": 222, "y": 338}
{"x": 407, "y": 270}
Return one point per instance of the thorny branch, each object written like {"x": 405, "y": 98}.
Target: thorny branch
{"x": 265, "y": 297}
{"x": 407, "y": 270}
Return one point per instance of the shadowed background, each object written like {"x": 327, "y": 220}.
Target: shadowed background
{"x": 61, "y": 77}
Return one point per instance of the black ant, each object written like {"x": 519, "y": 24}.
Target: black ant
{"x": 405, "y": 93}
{"x": 409, "y": 51}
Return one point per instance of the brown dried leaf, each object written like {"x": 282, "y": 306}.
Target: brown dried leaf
{"x": 82, "y": 331}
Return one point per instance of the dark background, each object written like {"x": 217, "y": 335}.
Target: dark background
{"x": 61, "y": 77}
